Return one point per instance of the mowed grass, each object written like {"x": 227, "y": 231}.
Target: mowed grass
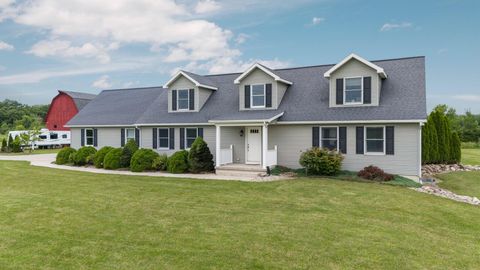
{"x": 463, "y": 183}
{"x": 34, "y": 152}
{"x": 471, "y": 156}
{"x": 56, "y": 219}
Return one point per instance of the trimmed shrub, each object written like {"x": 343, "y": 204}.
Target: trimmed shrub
{"x": 84, "y": 156}
{"x": 128, "y": 150}
{"x": 375, "y": 173}
{"x": 160, "y": 163}
{"x": 456, "y": 148}
{"x": 178, "y": 162}
{"x": 10, "y": 143}
{"x": 100, "y": 156}
{"x": 143, "y": 160}
{"x": 199, "y": 158}
{"x": 321, "y": 161}
{"x": 63, "y": 156}
{"x": 112, "y": 159}
{"x": 4, "y": 145}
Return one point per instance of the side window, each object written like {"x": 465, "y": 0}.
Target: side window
{"x": 329, "y": 138}
{"x": 53, "y": 136}
{"x": 190, "y": 136}
{"x": 129, "y": 134}
{"x": 375, "y": 140}
{"x": 89, "y": 137}
{"x": 163, "y": 138}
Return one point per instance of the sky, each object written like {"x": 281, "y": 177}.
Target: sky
{"x": 90, "y": 45}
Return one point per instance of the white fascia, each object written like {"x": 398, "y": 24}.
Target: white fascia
{"x": 379, "y": 70}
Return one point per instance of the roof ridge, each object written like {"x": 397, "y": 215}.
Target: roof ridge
{"x": 137, "y": 88}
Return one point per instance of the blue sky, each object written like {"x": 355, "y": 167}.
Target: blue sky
{"x": 77, "y": 45}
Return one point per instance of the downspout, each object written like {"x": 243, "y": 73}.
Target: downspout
{"x": 421, "y": 124}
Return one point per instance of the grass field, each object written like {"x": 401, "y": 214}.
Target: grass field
{"x": 471, "y": 156}
{"x": 464, "y": 183}
{"x": 35, "y": 152}
{"x": 55, "y": 219}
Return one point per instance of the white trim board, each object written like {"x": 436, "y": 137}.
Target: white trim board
{"x": 379, "y": 70}
{"x": 182, "y": 73}
{"x": 259, "y": 66}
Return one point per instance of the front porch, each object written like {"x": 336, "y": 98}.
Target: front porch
{"x": 244, "y": 147}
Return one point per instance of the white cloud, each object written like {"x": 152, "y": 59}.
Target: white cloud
{"x": 5, "y": 46}
{"x": 207, "y": 6}
{"x": 64, "y": 48}
{"x": 391, "y": 26}
{"x": 231, "y": 64}
{"x": 102, "y": 82}
{"x": 241, "y": 38}
{"x": 470, "y": 98}
{"x": 317, "y": 20}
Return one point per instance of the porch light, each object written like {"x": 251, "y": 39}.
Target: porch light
{"x": 241, "y": 132}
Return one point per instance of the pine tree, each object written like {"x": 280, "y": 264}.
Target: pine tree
{"x": 199, "y": 158}
{"x": 456, "y": 148}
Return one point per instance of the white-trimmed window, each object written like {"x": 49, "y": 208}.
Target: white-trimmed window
{"x": 129, "y": 134}
{"x": 375, "y": 140}
{"x": 183, "y": 99}
{"x": 257, "y": 97}
{"x": 89, "y": 137}
{"x": 163, "y": 138}
{"x": 329, "y": 138}
{"x": 353, "y": 90}
{"x": 190, "y": 135}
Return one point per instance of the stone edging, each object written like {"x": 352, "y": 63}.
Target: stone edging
{"x": 435, "y": 190}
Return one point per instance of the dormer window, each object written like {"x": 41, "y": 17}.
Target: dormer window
{"x": 353, "y": 90}
{"x": 258, "y": 96}
{"x": 183, "y": 99}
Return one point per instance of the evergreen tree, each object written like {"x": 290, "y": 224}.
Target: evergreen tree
{"x": 456, "y": 147}
{"x": 199, "y": 158}
{"x": 4, "y": 145}
{"x": 434, "y": 151}
{"x": 448, "y": 134}
{"x": 426, "y": 157}
{"x": 10, "y": 143}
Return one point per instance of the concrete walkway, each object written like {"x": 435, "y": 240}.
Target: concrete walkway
{"x": 46, "y": 160}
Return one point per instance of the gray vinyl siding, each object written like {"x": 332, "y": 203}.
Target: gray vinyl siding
{"x": 292, "y": 140}
{"x": 201, "y": 94}
{"x": 106, "y": 137}
{"x": 354, "y": 68}
{"x": 231, "y": 136}
{"x": 147, "y": 138}
{"x": 259, "y": 77}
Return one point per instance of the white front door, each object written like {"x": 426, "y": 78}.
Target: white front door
{"x": 254, "y": 145}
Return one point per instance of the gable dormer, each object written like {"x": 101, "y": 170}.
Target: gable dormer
{"x": 188, "y": 92}
{"x": 260, "y": 88}
{"x": 355, "y": 82}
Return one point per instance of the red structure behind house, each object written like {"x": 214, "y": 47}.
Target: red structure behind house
{"x": 64, "y": 106}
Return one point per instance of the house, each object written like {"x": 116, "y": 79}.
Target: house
{"x": 63, "y": 107}
{"x": 371, "y": 111}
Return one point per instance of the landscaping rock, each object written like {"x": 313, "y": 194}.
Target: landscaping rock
{"x": 432, "y": 169}
{"x": 435, "y": 190}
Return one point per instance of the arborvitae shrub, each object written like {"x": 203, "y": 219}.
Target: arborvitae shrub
{"x": 200, "y": 159}
{"x": 100, "y": 156}
{"x": 112, "y": 159}
{"x": 63, "y": 156}
{"x": 178, "y": 162}
{"x": 143, "y": 160}
{"x": 456, "y": 148}
{"x": 4, "y": 145}
{"x": 128, "y": 150}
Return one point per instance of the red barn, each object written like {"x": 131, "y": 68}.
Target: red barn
{"x": 64, "y": 106}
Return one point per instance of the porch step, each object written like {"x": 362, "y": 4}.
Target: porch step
{"x": 240, "y": 170}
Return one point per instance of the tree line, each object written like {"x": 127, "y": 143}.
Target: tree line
{"x": 17, "y": 116}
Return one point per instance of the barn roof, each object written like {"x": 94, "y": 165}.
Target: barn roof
{"x": 80, "y": 99}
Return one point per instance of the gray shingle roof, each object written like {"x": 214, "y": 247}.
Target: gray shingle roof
{"x": 80, "y": 99}
{"x": 402, "y": 98}
{"x": 116, "y": 107}
{"x": 201, "y": 79}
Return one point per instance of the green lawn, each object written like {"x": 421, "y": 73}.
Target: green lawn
{"x": 35, "y": 152}
{"x": 471, "y": 156}
{"x": 55, "y": 219}
{"x": 464, "y": 183}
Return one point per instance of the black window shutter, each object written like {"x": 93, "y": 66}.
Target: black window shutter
{"x": 200, "y": 132}
{"x": 367, "y": 90}
{"x": 191, "y": 99}
{"x": 137, "y": 136}
{"x": 182, "y": 138}
{"x": 390, "y": 137}
{"x": 339, "y": 94}
{"x": 268, "y": 95}
{"x": 247, "y": 96}
{"x": 172, "y": 138}
{"x": 342, "y": 139}
{"x": 360, "y": 141}
{"x": 122, "y": 137}
{"x": 154, "y": 138}
{"x": 95, "y": 137}
{"x": 174, "y": 100}
{"x": 82, "y": 137}
{"x": 315, "y": 137}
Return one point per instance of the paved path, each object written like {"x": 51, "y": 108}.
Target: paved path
{"x": 45, "y": 160}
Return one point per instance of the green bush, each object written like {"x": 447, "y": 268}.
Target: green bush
{"x": 143, "y": 160}
{"x": 321, "y": 161}
{"x": 199, "y": 158}
{"x": 113, "y": 159}
{"x": 4, "y": 145}
{"x": 84, "y": 156}
{"x": 128, "y": 150}
{"x": 160, "y": 163}
{"x": 456, "y": 148}
{"x": 100, "y": 156}
{"x": 16, "y": 146}
{"x": 178, "y": 162}
{"x": 63, "y": 156}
